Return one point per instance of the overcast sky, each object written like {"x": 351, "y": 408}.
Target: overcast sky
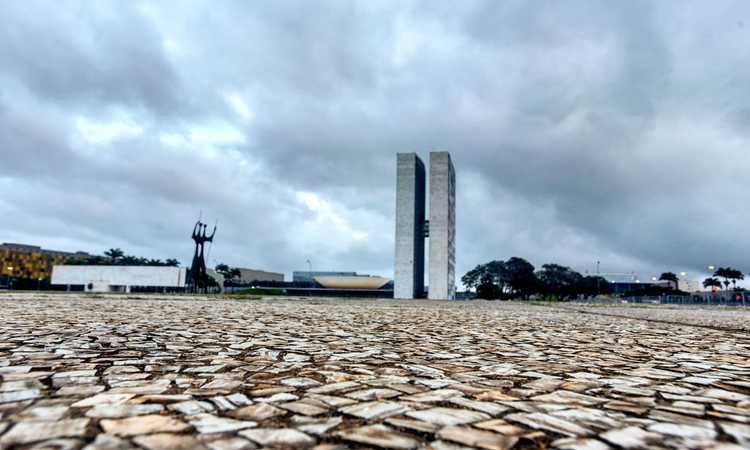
{"x": 580, "y": 131}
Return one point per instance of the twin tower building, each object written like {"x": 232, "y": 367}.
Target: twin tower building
{"x": 412, "y": 229}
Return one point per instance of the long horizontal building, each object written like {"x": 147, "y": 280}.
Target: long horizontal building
{"x": 119, "y": 278}
{"x": 253, "y": 275}
{"x": 305, "y": 276}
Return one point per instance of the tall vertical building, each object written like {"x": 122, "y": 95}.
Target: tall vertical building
{"x": 442, "y": 227}
{"x": 410, "y": 227}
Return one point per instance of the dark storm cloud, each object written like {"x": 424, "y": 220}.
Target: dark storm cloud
{"x": 581, "y": 131}
{"x": 79, "y": 53}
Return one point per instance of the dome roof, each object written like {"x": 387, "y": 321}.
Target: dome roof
{"x": 352, "y": 282}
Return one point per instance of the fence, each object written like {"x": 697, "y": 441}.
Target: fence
{"x": 719, "y": 299}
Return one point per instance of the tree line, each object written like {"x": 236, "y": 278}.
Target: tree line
{"x": 116, "y": 257}
{"x": 518, "y": 278}
{"x": 730, "y": 276}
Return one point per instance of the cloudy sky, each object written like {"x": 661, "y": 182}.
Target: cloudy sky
{"x": 580, "y": 131}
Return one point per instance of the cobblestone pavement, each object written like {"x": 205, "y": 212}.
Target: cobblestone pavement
{"x": 177, "y": 373}
{"x": 722, "y": 317}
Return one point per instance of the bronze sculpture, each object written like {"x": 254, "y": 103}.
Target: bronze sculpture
{"x": 198, "y": 278}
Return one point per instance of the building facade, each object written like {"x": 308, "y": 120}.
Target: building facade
{"x": 21, "y": 263}
{"x": 252, "y": 275}
{"x": 306, "y": 276}
{"x": 410, "y": 227}
{"x": 442, "y": 267}
{"x": 119, "y": 278}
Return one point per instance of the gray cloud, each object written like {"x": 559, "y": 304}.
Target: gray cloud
{"x": 580, "y": 131}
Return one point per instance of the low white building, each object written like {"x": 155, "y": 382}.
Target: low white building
{"x": 119, "y": 278}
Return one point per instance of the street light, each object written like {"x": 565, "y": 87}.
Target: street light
{"x": 711, "y": 268}
{"x": 682, "y": 274}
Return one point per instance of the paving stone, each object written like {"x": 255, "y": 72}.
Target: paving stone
{"x": 445, "y": 445}
{"x": 279, "y": 437}
{"x": 332, "y": 401}
{"x": 239, "y": 399}
{"x": 259, "y": 412}
{"x": 191, "y": 407}
{"x": 539, "y": 421}
{"x": 80, "y": 391}
{"x": 43, "y": 413}
{"x": 19, "y": 396}
{"x": 500, "y": 426}
{"x": 133, "y": 426}
{"x": 192, "y": 375}
{"x": 490, "y": 408}
{"x": 300, "y": 382}
{"x": 448, "y": 416}
{"x": 437, "y": 396}
{"x": 478, "y": 438}
{"x": 208, "y": 423}
{"x": 579, "y": 444}
{"x": 27, "y": 432}
{"x": 232, "y": 443}
{"x": 740, "y": 433}
{"x": 373, "y": 394}
{"x": 122, "y": 410}
{"x": 103, "y": 399}
{"x": 631, "y": 437}
{"x": 303, "y": 408}
{"x": 380, "y": 436}
{"x": 335, "y": 387}
{"x": 316, "y": 426}
{"x": 413, "y": 425}
{"x": 374, "y": 410}
{"x": 684, "y": 431}
{"x": 109, "y": 442}
{"x": 58, "y": 444}
{"x": 569, "y": 398}
{"x": 168, "y": 441}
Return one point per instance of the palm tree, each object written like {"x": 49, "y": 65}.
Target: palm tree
{"x": 711, "y": 282}
{"x": 172, "y": 262}
{"x": 114, "y": 254}
{"x": 670, "y": 276}
{"x": 724, "y": 272}
{"x": 735, "y": 275}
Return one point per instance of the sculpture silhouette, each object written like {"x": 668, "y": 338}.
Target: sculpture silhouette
{"x": 198, "y": 278}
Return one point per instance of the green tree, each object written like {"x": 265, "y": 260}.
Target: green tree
{"x": 520, "y": 276}
{"x": 487, "y": 288}
{"x": 726, "y": 273}
{"x": 472, "y": 279}
{"x": 593, "y": 285}
{"x": 734, "y": 275}
{"x": 671, "y": 277}
{"x": 558, "y": 280}
{"x": 114, "y": 254}
{"x": 172, "y": 262}
{"x": 711, "y": 282}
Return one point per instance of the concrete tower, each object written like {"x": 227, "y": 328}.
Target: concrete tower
{"x": 410, "y": 227}
{"x": 442, "y": 227}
